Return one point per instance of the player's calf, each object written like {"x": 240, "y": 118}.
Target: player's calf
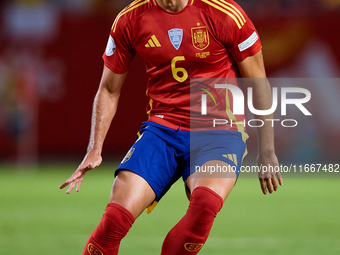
{"x": 114, "y": 225}
{"x": 191, "y": 232}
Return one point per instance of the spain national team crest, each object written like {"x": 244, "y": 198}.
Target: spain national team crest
{"x": 94, "y": 250}
{"x": 193, "y": 247}
{"x": 176, "y": 36}
{"x": 200, "y": 37}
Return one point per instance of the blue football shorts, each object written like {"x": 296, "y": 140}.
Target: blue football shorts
{"x": 162, "y": 155}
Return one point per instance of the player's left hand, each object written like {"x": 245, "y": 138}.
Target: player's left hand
{"x": 269, "y": 171}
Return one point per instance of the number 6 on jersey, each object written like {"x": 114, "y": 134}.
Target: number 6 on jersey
{"x": 175, "y": 70}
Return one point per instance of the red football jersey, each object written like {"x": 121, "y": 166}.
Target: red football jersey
{"x": 204, "y": 40}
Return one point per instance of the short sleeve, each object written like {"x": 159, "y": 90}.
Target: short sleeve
{"x": 242, "y": 39}
{"x": 119, "y": 53}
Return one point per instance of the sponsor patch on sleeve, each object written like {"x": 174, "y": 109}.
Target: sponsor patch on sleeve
{"x": 111, "y": 47}
{"x": 249, "y": 42}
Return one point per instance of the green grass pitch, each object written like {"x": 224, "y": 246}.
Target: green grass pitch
{"x": 302, "y": 218}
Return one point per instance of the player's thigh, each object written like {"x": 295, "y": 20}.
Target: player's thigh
{"x": 132, "y": 192}
{"x": 222, "y": 184}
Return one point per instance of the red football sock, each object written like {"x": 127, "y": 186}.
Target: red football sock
{"x": 191, "y": 232}
{"x": 114, "y": 225}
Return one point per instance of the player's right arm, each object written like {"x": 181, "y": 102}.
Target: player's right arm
{"x": 104, "y": 109}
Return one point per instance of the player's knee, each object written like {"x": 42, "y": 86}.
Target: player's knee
{"x": 112, "y": 228}
{"x": 205, "y": 201}
{"x": 116, "y": 221}
{"x": 118, "y": 213}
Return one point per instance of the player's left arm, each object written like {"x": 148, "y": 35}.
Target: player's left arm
{"x": 253, "y": 68}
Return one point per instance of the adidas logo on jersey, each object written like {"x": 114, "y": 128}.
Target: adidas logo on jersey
{"x": 153, "y": 42}
{"x": 232, "y": 157}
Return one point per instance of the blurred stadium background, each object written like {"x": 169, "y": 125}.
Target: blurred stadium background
{"x": 50, "y": 67}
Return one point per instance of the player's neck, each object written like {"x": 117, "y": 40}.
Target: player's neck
{"x": 172, "y": 5}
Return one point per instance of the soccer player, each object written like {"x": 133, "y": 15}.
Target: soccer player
{"x": 179, "y": 40}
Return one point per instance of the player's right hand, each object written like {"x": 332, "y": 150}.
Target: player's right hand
{"x": 91, "y": 160}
